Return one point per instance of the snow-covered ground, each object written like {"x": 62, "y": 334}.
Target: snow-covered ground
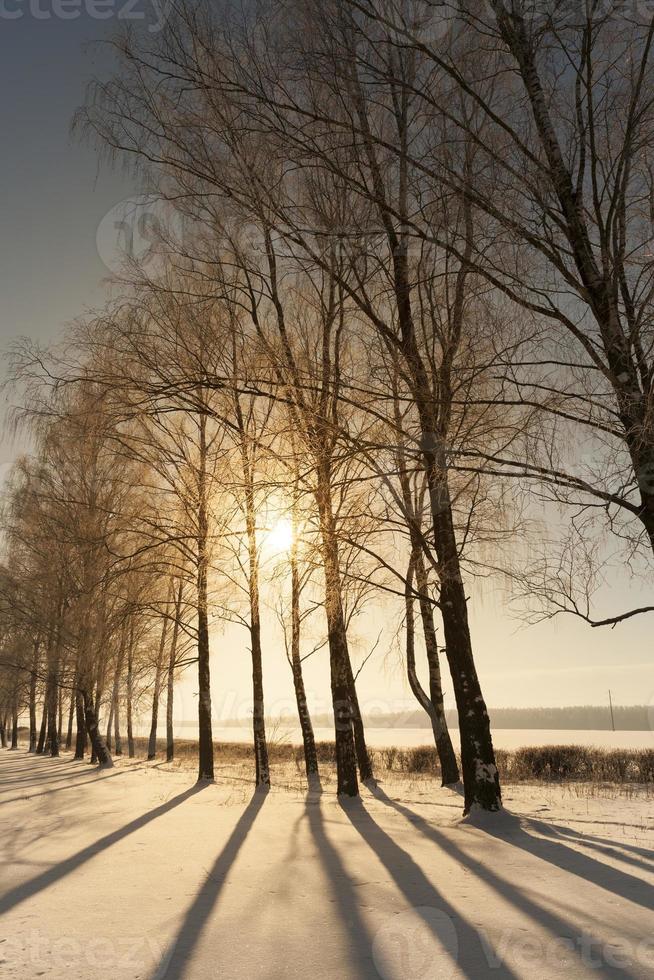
{"x": 137, "y": 873}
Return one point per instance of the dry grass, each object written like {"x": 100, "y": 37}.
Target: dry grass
{"x": 561, "y": 764}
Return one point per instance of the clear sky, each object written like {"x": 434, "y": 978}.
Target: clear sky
{"x": 52, "y": 201}
{"x": 52, "y": 197}
{"x": 555, "y": 663}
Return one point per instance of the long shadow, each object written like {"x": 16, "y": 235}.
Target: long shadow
{"x": 28, "y": 760}
{"x": 63, "y": 789}
{"x": 44, "y": 771}
{"x": 30, "y": 888}
{"x": 601, "y": 846}
{"x": 361, "y": 964}
{"x": 23, "y": 756}
{"x": 555, "y": 852}
{"x": 558, "y": 927}
{"x": 56, "y": 770}
{"x": 176, "y": 961}
{"x": 605, "y": 843}
{"x": 472, "y": 956}
{"x": 51, "y": 773}
{"x": 606, "y": 823}
{"x": 27, "y": 782}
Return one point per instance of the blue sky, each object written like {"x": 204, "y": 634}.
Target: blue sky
{"x": 52, "y": 196}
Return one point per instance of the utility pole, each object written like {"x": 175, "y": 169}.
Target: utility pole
{"x": 611, "y": 708}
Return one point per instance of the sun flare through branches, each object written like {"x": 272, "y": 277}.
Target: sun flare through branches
{"x": 278, "y": 538}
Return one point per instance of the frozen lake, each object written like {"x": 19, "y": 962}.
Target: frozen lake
{"x": 507, "y": 738}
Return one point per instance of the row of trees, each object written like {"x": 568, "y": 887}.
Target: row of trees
{"x": 407, "y": 277}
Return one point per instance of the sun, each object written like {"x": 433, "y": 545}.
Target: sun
{"x": 279, "y": 538}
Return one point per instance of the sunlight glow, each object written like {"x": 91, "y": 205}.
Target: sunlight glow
{"x": 280, "y": 536}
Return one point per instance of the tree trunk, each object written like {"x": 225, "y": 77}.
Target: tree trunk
{"x": 446, "y": 755}
{"x": 433, "y": 704}
{"x": 118, "y": 742}
{"x": 115, "y": 699}
{"x": 170, "y": 688}
{"x": 205, "y": 735}
{"x": 110, "y": 725}
{"x": 14, "y": 727}
{"x": 480, "y": 777}
{"x": 71, "y": 715}
{"x": 3, "y": 732}
{"x": 364, "y": 761}
{"x": 262, "y": 769}
{"x": 152, "y": 741}
{"x": 96, "y": 717}
{"x": 346, "y": 766}
{"x": 60, "y": 716}
{"x": 130, "y": 694}
{"x": 40, "y": 746}
{"x": 53, "y": 706}
{"x": 416, "y": 687}
{"x": 32, "y": 710}
{"x": 53, "y": 660}
{"x": 306, "y": 726}
{"x": 81, "y": 736}
{"x": 481, "y": 782}
{"x": 100, "y": 751}
{"x": 170, "y": 694}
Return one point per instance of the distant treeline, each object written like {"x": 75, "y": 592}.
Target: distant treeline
{"x": 633, "y": 718}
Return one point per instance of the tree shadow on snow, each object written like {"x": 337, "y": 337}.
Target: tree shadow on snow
{"x": 176, "y": 961}
{"x": 55, "y": 775}
{"x": 513, "y": 833}
{"x": 472, "y": 958}
{"x": 93, "y": 773}
{"x": 361, "y": 964}
{"x": 20, "y": 893}
{"x": 638, "y": 857}
{"x": 36, "y": 771}
{"x": 552, "y": 849}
